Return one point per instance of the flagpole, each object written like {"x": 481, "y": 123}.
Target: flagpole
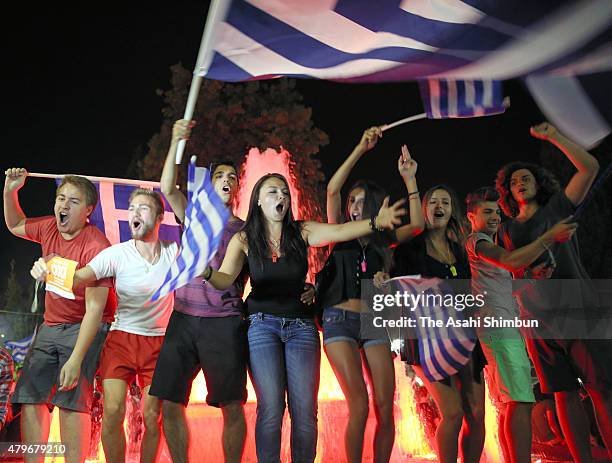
{"x": 404, "y": 121}
{"x": 121, "y": 181}
{"x": 216, "y": 13}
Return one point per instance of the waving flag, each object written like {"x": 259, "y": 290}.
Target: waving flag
{"x": 111, "y": 214}
{"x": 19, "y": 349}
{"x": 443, "y": 349}
{"x": 205, "y": 218}
{"x": 365, "y": 41}
{"x": 464, "y": 98}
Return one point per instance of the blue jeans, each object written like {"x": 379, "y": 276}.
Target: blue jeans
{"x": 285, "y": 358}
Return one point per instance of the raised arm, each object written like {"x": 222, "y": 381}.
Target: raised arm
{"x": 321, "y": 234}
{"x": 231, "y": 266}
{"x": 407, "y": 168}
{"x": 334, "y": 187}
{"x": 585, "y": 163}
{"x": 177, "y": 200}
{"x": 526, "y": 255}
{"x": 13, "y": 214}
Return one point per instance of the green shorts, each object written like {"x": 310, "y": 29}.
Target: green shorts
{"x": 509, "y": 369}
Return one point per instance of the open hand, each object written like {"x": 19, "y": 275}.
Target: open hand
{"x": 390, "y": 216}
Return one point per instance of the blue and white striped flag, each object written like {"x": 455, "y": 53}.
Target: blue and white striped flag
{"x": 205, "y": 218}
{"x": 366, "y": 41}
{"x": 111, "y": 213}
{"x": 443, "y": 350}
{"x": 19, "y": 349}
{"x": 444, "y": 98}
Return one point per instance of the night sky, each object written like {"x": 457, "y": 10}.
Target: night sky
{"x": 80, "y": 97}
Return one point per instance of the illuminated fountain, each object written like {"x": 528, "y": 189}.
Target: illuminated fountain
{"x": 206, "y": 422}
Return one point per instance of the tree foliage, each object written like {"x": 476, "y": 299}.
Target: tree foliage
{"x": 233, "y": 117}
{"x": 17, "y": 306}
{"x": 230, "y": 119}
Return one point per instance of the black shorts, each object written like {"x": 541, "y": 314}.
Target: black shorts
{"x": 560, "y": 362}
{"x": 217, "y": 345}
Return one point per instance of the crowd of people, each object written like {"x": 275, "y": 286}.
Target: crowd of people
{"x": 274, "y": 335}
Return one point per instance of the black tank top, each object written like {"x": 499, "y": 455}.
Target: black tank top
{"x": 276, "y": 288}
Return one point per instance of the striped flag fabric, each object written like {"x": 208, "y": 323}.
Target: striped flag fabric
{"x": 111, "y": 213}
{"x": 365, "y": 41}
{"x": 19, "y": 349}
{"x": 205, "y": 218}
{"x": 444, "y": 98}
{"x": 443, "y": 350}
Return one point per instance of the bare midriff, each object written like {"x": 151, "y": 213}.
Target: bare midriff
{"x": 352, "y": 305}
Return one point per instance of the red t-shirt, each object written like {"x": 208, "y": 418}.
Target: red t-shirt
{"x": 84, "y": 247}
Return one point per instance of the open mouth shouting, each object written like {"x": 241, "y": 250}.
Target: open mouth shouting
{"x": 439, "y": 215}
{"x": 136, "y": 225}
{"x": 280, "y": 208}
{"x": 355, "y": 216}
{"x": 63, "y": 218}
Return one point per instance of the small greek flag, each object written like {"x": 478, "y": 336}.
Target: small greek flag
{"x": 205, "y": 217}
{"x": 19, "y": 349}
{"x": 446, "y": 98}
{"x": 443, "y": 349}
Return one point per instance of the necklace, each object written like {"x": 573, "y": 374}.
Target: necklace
{"x": 451, "y": 267}
{"x": 275, "y": 248}
{"x": 154, "y": 259}
{"x": 447, "y": 259}
{"x": 364, "y": 263}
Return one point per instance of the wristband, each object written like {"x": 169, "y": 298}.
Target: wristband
{"x": 373, "y": 223}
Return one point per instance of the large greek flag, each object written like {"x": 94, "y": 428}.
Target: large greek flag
{"x": 548, "y": 42}
{"x": 205, "y": 218}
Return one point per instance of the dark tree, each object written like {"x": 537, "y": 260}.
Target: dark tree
{"x": 17, "y": 306}
{"x": 234, "y": 117}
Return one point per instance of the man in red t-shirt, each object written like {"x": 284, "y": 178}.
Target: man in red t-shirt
{"x": 62, "y": 362}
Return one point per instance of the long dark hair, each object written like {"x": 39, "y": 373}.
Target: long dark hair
{"x": 374, "y": 197}
{"x": 292, "y": 244}
{"x": 547, "y": 185}
{"x": 456, "y": 230}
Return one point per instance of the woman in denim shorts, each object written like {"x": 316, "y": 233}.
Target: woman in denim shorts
{"x": 340, "y": 294}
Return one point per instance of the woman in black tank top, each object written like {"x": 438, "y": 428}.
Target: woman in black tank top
{"x": 284, "y": 346}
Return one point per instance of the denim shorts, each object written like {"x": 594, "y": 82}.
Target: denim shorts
{"x": 344, "y": 325}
